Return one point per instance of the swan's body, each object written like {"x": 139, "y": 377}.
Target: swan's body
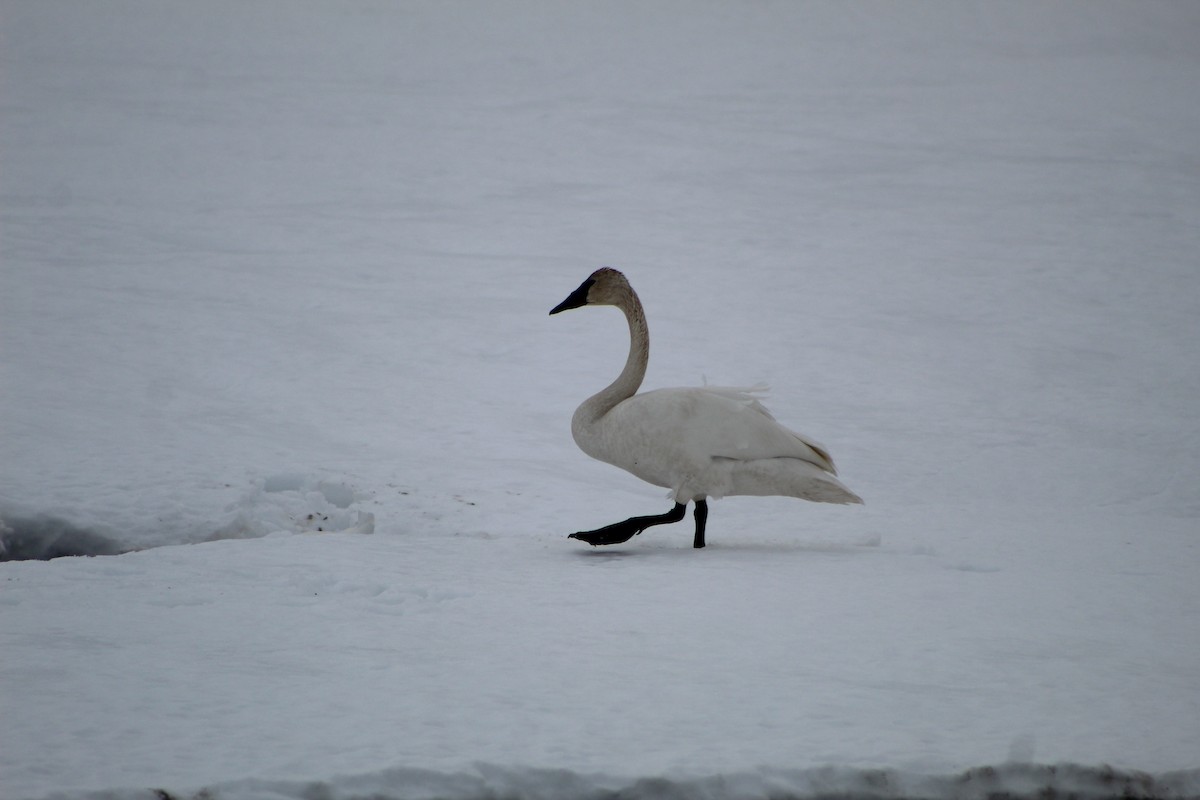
{"x": 698, "y": 442}
{"x": 709, "y": 442}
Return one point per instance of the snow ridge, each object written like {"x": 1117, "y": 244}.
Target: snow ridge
{"x": 1012, "y": 780}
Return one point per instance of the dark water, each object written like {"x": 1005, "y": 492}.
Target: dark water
{"x": 43, "y": 538}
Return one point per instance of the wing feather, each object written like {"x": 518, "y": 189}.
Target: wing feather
{"x": 721, "y": 422}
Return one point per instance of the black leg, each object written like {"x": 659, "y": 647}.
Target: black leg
{"x": 701, "y": 518}
{"x": 624, "y": 531}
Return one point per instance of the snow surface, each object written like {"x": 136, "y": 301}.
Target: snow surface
{"x": 276, "y": 275}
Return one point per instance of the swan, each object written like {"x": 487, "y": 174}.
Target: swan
{"x": 698, "y": 442}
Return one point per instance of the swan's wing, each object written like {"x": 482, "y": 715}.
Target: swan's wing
{"x": 722, "y": 422}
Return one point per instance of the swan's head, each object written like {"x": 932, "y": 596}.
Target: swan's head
{"x": 605, "y": 287}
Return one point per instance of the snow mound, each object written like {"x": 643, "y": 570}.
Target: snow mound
{"x": 295, "y": 503}
{"x": 486, "y": 781}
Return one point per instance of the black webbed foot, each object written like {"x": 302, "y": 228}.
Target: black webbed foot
{"x": 624, "y": 531}
{"x": 610, "y": 534}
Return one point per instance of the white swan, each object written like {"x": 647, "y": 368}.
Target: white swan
{"x": 698, "y": 442}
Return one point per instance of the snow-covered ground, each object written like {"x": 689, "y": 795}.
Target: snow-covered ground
{"x": 275, "y": 276}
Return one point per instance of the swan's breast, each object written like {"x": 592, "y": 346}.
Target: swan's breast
{"x": 644, "y": 435}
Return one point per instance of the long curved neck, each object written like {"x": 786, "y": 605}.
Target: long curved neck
{"x": 631, "y": 376}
